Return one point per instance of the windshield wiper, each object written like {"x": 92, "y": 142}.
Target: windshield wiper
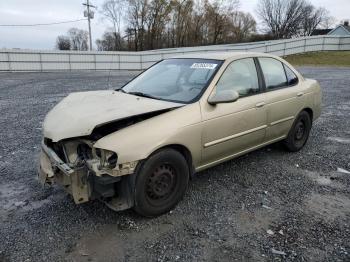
{"x": 120, "y": 89}
{"x": 142, "y": 94}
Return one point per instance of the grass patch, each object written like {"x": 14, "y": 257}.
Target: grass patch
{"x": 324, "y": 58}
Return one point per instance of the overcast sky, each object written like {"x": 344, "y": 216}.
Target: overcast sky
{"x": 47, "y": 11}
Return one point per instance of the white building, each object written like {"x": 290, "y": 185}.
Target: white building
{"x": 343, "y": 29}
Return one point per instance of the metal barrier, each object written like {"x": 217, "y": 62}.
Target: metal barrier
{"x": 36, "y": 60}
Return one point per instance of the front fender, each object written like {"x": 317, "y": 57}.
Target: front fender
{"x": 181, "y": 126}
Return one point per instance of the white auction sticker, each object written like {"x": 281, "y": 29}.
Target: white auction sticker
{"x": 203, "y": 65}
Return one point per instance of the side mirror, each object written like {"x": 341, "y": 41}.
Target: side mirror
{"x": 226, "y": 96}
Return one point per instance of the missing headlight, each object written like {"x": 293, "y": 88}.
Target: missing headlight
{"x": 112, "y": 160}
{"x": 108, "y": 159}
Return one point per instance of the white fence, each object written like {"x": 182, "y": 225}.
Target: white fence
{"x": 32, "y": 60}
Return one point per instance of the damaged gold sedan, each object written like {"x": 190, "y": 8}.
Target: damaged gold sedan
{"x": 137, "y": 146}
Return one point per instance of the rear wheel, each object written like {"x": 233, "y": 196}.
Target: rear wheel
{"x": 299, "y": 133}
{"x": 161, "y": 183}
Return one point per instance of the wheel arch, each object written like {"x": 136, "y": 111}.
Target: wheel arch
{"x": 183, "y": 150}
{"x": 309, "y": 111}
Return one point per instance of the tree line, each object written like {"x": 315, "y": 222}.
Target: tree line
{"x": 152, "y": 24}
{"x": 178, "y": 23}
{"x": 291, "y": 18}
{"x": 76, "y": 39}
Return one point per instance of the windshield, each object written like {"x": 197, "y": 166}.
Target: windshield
{"x": 178, "y": 80}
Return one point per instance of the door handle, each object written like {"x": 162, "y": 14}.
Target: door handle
{"x": 300, "y": 94}
{"x": 261, "y": 104}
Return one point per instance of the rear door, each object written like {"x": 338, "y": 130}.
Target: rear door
{"x": 284, "y": 97}
{"x": 230, "y": 128}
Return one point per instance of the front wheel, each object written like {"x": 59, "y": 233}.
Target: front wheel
{"x": 299, "y": 133}
{"x": 160, "y": 183}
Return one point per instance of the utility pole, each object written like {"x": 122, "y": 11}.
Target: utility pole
{"x": 90, "y": 15}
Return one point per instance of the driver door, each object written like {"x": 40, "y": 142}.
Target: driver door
{"x": 233, "y": 128}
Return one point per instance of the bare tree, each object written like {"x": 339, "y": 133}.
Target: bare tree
{"x": 284, "y": 19}
{"x": 181, "y": 19}
{"x": 199, "y": 22}
{"x": 218, "y": 14}
{"x": 281, "y": 18}
{"x": 113, "y": 11}
{"x": 63, "y": 43}
{"x": 197, "y": 27}
{"x": 153, "y": 24}
{"x": 157, "y": 18}
{"x": 243, "y": 26}
{"x": 137, "y": 14}
{"x": 110, "y": 41}
{"x": 78, "y": 39}
{"x": 313, "y": 17}
{"x": 216, "y": 22}
{"x": 328, "y": 22}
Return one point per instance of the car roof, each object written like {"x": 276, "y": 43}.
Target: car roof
{"x": 222, "y": 55}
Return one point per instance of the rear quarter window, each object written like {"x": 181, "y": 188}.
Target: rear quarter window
{"x": 291, "y": 76}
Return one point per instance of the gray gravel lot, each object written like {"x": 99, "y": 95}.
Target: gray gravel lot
{"x": 223, "y": 216}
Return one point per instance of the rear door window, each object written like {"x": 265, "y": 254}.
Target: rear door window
{"x": 274, "y": 74}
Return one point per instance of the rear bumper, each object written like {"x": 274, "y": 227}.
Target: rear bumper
{"x": 53, "y": 170}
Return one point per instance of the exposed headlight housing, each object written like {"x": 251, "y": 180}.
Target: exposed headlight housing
{"x": 108, "y": 159}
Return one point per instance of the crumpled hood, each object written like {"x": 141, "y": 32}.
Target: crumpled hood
{"x": 79, "y": 113}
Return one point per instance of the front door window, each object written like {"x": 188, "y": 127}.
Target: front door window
{"x": 240, "y": 76}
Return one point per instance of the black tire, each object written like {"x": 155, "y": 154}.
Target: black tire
{"x": 299, "y": 133}
{"x": 161, "y": 182}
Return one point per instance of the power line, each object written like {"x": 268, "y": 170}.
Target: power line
{"x": 55, "y": 23}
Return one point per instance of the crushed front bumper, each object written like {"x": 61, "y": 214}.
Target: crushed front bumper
{"x": 83, "y": 183}
{"x": 74, "y": 180}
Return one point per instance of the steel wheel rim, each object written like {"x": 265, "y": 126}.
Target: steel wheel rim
{"x": 161, "y": 184}
{"x": 300, "y": 131}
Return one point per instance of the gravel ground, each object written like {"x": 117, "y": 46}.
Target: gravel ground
{"x": 267, "y": 205}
